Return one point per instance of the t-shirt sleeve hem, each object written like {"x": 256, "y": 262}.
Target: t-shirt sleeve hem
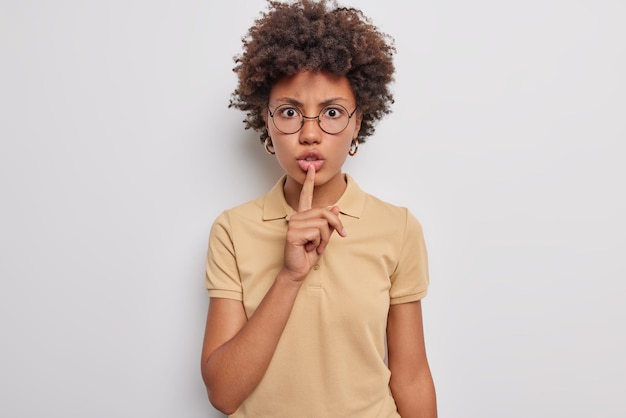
{"x": 225, "y": 294}
{"x": 408, "y": 298}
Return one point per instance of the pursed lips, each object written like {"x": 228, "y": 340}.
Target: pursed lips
{"x": 311, "y": 158}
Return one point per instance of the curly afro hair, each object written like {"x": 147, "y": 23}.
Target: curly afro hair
{"x": 308, "y": 35}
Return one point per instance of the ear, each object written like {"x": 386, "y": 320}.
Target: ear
{"x": 266, "y": 118}
{"x": 358, "y": 120}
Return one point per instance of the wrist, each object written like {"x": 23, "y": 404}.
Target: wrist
{"x": 290, "y": 279}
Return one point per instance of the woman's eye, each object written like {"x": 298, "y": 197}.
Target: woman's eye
{"x": 332, "y": 112}
{"x": 288, "y": 112}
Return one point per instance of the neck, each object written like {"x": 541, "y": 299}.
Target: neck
{"x": 324, "y": 195}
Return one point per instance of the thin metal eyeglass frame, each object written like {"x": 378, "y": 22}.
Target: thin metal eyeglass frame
{"x": 319, "y": 121}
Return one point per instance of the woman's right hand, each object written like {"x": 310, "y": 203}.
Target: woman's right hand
{"x": 308, "y": 232}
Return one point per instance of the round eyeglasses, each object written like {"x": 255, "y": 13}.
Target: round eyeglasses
{"x": 332, "y": 119}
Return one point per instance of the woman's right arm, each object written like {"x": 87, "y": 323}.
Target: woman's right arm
{"x": 236, "y": 350}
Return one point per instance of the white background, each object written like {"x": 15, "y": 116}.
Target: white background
{"x": 118, "y": 151}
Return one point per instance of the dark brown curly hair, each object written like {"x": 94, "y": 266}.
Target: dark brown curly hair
{"x": 314, "y": 36}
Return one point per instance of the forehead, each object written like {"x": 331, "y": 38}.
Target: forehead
{"x": 312, "y": 88}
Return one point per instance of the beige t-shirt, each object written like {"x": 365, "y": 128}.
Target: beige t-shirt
{"x": 330, "y": 360}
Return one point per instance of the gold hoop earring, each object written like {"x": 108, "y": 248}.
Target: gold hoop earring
{"x": 354, "y": 147}
{"x": 269, "y": 147}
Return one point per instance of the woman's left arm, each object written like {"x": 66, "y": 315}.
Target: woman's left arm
{"x": 411, "y": 381}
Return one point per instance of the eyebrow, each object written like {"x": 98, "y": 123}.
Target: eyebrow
{"x": 326, "y": 102}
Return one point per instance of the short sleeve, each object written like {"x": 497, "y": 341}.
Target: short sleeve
{"x": 222, "y": 275}
{"x": 409, "y": 281}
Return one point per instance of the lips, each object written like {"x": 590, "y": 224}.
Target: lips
{"x": 308, "y": 158}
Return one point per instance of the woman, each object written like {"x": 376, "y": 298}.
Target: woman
{"x": 315, "y": 287}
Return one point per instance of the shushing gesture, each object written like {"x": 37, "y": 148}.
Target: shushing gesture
{"x": 309, "y": 231}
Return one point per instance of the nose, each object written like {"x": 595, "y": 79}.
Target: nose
{"x": 311, "y": 133}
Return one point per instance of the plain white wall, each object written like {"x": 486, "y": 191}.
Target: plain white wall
{"x": 117, "y": 151}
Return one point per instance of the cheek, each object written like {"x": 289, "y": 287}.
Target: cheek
{"x": 347, "y": 140}
{"x": 346, "y": 147}
{"x": 282, "y": 149}
{"x": 285, "y": 160}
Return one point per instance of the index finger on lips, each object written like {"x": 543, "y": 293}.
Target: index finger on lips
{"x": 306, "y": 195}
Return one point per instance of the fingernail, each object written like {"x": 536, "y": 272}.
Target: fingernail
{"x": 343, "y": 232}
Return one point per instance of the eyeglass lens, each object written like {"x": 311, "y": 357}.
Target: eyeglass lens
{"x": 332, "y": 119}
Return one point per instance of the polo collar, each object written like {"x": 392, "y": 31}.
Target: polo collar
{"x": 275, "y": 206}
